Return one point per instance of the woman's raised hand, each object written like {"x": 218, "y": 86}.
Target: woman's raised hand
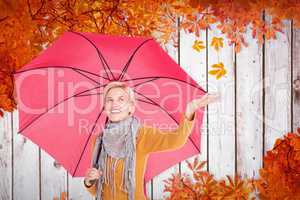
{"x": 193, "y": 105}
{"x": 92, "y": 174}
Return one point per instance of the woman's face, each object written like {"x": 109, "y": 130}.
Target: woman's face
{"x": 117, "y": 104}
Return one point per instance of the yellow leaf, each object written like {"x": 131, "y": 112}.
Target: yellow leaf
{"x": 198, "y": 45}
{"x": 221, "y": 73}
{"x": 218, "y": 70}
{"x": 218, "y": 65}
{"x": 217, "y": 43}
{"x": 213, "y": 72}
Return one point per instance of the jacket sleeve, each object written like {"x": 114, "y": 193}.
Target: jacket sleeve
{"x": 153, "y": 139}
{"x": 93, "y": 189}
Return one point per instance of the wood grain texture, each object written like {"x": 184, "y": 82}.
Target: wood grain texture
{"x": 6, "y": 157}
{"x": 157, "y": 182}
{"x": 26, "y": 165}
{"x": 53, "y": 177}
{"x": 296, "y": 79}
{"x": 194, "y": 63}
{"x": 277, "y": 86}
{"x": 249, "y": 115}
{"x": 221, "y": 116}
{"x": 76, "y": 189}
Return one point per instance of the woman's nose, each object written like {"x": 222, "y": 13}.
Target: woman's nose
{"x": 115, "y": 104}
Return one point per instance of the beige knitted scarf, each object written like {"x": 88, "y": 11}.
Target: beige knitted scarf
{"x": 118, "y": 142}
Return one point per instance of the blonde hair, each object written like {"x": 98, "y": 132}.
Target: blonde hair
{"x": 119, "y": 84}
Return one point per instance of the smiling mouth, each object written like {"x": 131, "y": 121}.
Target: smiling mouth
{"x": 115, "y": 111}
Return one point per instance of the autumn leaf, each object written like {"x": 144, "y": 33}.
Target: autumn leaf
{"x": 198, "y": 45}
{"x": 236, "y": 188}
{"x": 217, "y": 43}
{"x": 63, "y": 196}
{"x": 218, "y": 71}
{"x": 279, "y": 178}
{"x": 205, "y": 186}
{"x": 193, "y": 24}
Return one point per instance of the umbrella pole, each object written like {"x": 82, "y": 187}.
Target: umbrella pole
{"x": 96, "y": 165}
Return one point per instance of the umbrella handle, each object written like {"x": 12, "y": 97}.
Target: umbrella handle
{"x": 94, "y": 180}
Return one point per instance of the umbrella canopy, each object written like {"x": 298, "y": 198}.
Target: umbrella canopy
{"x": 60, "y": 102}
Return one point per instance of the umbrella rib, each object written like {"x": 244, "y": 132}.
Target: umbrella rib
{"x": 83, "y": 95}
{"x": 144, "y": 82}
{"x": 60, "y": 67}
{"x": 156, "y": 104}
{"x": 66, "y": 99}
{"x": 130, "y": 59}
{"x": 86, "y": 76}
{"x": 87, "y": 141}
{"x": 103, "y": 61}
{"x": 145, "y": 101}
{"x": 160, "y": 77}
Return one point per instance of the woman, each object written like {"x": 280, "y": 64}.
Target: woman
{"x": 126, "y": 145}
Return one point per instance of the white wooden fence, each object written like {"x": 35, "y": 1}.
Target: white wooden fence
{"x": 258, "y": 104}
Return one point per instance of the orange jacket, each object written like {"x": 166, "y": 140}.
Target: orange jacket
{"x": 150, "y": 139}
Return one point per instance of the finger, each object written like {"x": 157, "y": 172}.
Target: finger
{"x": 97, "y": 172}
{"x": 203, "y": 102}
{"x": 91, "y": 176}
{"x": 214, "y": 97}
{"x": 87, "y": 172}
{"x": 205, "y": 96}
{"x": 91, "y": 169}
{"x": 94, "y": 174}
{"x": 210, "y": 97}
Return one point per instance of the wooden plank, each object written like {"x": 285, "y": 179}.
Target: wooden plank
{"x": 296, "y": 79}
{"x": 194, "y": 63}
{"x": 26, "y": 165}
{"x": 77, "y": 191}
{"x": 221, "y": 115}
{"x": 277, "y": 86}
{"x": 6, "y": 157}
{"x": 157, "y": 182}
{"x": 249, "y": 63}
{"x": 53, "y": 177}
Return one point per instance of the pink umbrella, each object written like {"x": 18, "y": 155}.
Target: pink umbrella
{"x": 60, "y": 103}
